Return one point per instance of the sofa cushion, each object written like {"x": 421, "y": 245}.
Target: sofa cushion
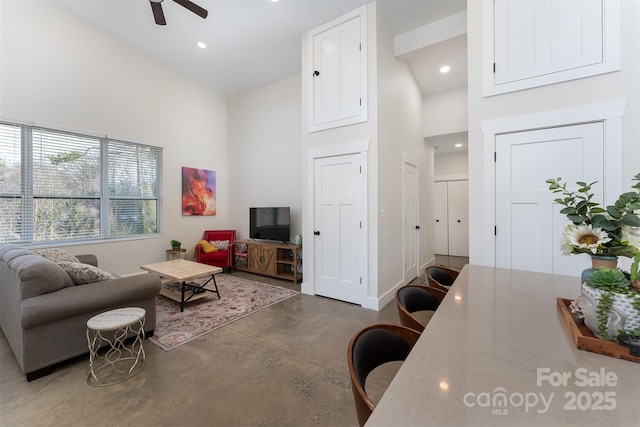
{"x": 220, "y": 244}
{"x": 206, "y": 246}
{"x": 39, "y": 275}
{"x": 85, "y": 273}
{"x": 56, "y": 255}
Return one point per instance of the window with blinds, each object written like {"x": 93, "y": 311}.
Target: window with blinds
{"x": 61, "y": 186}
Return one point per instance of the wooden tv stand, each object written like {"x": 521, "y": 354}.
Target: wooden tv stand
{"x": 281, "y": 260}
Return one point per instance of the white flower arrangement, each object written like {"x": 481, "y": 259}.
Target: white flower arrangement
{"x": 614, "y": 231}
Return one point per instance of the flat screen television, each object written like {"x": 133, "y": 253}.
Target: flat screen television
{"x": 269, "y": 223}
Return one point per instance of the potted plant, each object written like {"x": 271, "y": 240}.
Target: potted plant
{"x": 608, "y": 301}
{"x": 175, "y": 245}
{"x": 610, "y": 305}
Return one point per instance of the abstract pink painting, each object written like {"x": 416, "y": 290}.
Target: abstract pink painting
{"x": 198, "y": 192}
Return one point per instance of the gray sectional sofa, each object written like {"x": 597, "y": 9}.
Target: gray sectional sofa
{"x": 44, "y": 311}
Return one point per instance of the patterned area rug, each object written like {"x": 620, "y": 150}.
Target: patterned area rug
{"x": 239, "y": 298}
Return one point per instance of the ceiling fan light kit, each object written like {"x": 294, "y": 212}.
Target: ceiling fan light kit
{"x": 158, "y": 14}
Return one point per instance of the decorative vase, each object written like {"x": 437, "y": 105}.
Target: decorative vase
{"x": 607, "y": 261}
{"x": 622, "y": 316}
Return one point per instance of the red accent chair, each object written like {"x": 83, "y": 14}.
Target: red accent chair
{"x": 220, "y": 258}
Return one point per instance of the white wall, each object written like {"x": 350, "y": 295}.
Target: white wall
{"x": 57, "y": 70}
{"x": 445, "y": 112}
{"x": 265, "y": 151}
{"x": 393, "y": 129}
{"x": 451, "y": 164}
{"x": 399, "y": 134}
{"x": 622, "y": 84}
{"x": 366, "y": 131}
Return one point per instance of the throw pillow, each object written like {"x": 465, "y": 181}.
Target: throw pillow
{"x": 85, "y": 273}
{"x": 206, "y": 246}
{"x": 220, "y": 244}
{"x": 57, "y": 255}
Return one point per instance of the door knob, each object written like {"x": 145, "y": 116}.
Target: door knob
{"x": 417, "y": 227}
{"x": 317, "y": 233}
{"x": 437, "y": 220}
{"x": 458, "y": 220}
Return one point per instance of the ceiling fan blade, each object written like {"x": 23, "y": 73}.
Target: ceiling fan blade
{"x": 158, "y": 15}
{"x": 193, "y": 7}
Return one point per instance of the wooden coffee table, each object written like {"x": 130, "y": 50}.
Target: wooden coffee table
{"x": 183, "y": 272}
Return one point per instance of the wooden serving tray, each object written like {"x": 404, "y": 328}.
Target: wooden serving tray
{"x": 584, "y": 339}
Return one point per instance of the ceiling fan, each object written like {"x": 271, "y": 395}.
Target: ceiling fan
{"x": 158, "y": 15}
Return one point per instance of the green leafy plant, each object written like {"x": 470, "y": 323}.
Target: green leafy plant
{"x": 176, "y": 243}
{"x": 612, "y": 231}
{"x": 609, "y": 280}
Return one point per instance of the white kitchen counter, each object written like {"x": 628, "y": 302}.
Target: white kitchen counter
{"x": 496, "y": 352}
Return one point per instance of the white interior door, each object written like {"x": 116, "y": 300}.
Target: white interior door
{"x": 337, "y": 228}
{"x": 458, "y": 202}
{"x": 528, "y": 222}
{"x": 441, "y": 214}
{"x": 411, "y": 228}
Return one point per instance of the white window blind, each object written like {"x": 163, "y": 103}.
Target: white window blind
{"x": 133, "y": 188}
{"x": 10, "y": 183}
{"x": 66, "y": 186}
{"x": 61, "y": 186}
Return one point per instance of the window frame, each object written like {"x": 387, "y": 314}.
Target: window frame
{"x": 150, "y": 155}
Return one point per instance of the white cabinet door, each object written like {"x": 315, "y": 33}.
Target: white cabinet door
{"x": 458, "y": 198}
{"x": 338, "y": 77}
{"x": 529, "y": 224}
{"x": 537, "y": 37}
{"x": 451, "y": 213}
{"x": 540, "y": 42}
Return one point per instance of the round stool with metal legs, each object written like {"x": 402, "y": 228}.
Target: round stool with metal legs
{"x": 115, "y": 345}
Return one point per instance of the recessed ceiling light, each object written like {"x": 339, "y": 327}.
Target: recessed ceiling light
{"x": 201, "y": 45}
{"x": 445, "y": 69}
{"x": 274, "y": 1}
{"x": 458, "y": 145}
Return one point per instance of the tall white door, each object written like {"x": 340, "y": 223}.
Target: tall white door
{"x": 458, "y": 198}
{"x": 441, "y": 214}
{"x": 337, "y": 228}
{"x": 528, "y": 222}
{"x": 410, "y": 222}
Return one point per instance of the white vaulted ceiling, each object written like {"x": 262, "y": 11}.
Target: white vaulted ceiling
{"x": 252, "y": 43}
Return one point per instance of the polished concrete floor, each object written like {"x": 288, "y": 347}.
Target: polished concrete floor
{"x": 282, "y": 366}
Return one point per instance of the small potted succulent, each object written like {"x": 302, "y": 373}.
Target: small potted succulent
{"x": 611, "y": 307}
{"x": 175, "y": 245}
